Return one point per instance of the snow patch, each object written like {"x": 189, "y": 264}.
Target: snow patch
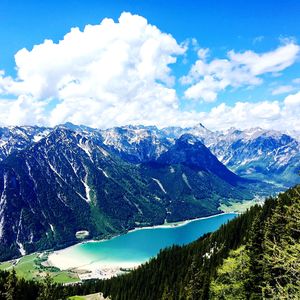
{"x": 104, "y": 172}
{"x": 138, "y": 136}
{"x": 87, "y": 188}
{"x": 138, "y": 208}
{"x": 31, "y": 175}
{"x": 72, "y": 164}
{"x": 20, "y": 245}
{"x": 2, "y": 143}
{"x": 62, "y": 198}
{"x": 159, "y": 184}
{"x": 55, "y": 171}
{"x": 21, "y": 248}
{"x": 37, "y": 138}
{"x": 2, "y": 205}
{"x": 1, "y": 227}
{"x": 104, "y": 152}
{"x": 52, "y": 227}
{"x": 31, "y": 238}
{"x": 184, "y": 177}
{"x": 225, "y": 162}
{"x": 248, "y": 160}
{"x": 86, "y": 148}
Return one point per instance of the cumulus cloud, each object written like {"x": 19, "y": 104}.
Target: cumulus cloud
{"x": 207, "y": 78}
{"x": 244, "y": 115}
{"x": 22, "y": 111}
{"x": 118, "y": 73}
{"x": 266, "y": 114}
{"x": 292, "y": 101}
{"x": 111, "y": 71}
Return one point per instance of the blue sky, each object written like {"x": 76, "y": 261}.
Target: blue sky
{"x": 261, "y": 27}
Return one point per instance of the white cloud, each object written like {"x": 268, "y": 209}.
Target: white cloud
{"x": 292, "y": 101}
{"x": 269, "y": 62}
{"x": 203, "y": 53}
{"x": 296, "y": 80}
{"x": 258, "y": 39}
{"x": 291, "y": 112}
{"x": 243, "y": 115}
{"x": 207, "y": 79}
{"x": 118, "y": 73}
{"x": 22, "y": 111}
{"x": 283, "y": 89}
{"x": 105, "y": 75}
{"x": 266, "y": 114}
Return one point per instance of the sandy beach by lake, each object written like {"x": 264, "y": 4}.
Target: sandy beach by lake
{"x": 72, "y": 258}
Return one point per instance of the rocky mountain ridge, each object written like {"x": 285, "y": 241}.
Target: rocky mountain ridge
{"x": 75, "y": 178}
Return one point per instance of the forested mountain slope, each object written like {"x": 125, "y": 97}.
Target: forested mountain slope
{"x": 57, "y": 181}
{"x": 70, "y": 181}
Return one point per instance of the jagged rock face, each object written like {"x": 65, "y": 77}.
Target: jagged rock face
{"x": 255, "y": 153}
{"x": 260, "y": 154}
{"x": 19, "y": 137}
{"x": 55, "y": 182}
{"x": 68, "y": 182}
{"x": 73, "y": 179}
{"x": 136, "y": 143}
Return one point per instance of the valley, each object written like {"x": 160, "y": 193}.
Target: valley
{"x": 65, "y": 185}
{"x": 73, "y": 179}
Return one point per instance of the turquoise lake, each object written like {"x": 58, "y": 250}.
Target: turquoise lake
{"x": 141, "y": 245}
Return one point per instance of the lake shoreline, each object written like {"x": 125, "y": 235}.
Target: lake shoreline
{"x": 161, "y": 226}
{"x": 180, "y": 223}
{"x": 71, "y": 261}
{"x": 64, "y": 260}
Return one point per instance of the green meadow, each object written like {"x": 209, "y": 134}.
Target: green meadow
{"x": 31, "y": 267}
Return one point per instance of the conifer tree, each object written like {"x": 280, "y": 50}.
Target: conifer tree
{"x": 48, "y": 289}
{"x": 11, "y": 286}
{"x": 194, "y": 287}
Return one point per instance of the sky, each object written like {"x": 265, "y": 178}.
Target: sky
{"x": 166, "y": 63}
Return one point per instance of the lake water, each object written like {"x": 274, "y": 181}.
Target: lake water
{"x": 140, "y": 245}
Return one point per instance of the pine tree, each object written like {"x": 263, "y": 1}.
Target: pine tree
{"x": 48, "y": 289}
{"x": 11, "y": 286}
{"x": 194, "y": 288}
{"x": 282, "y": 248}
{"x": 255, "y": 250}
{"x": 167, "y": 294}
{"x": 232, "y": 277}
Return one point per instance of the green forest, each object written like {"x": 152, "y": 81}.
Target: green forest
{"x": 254, "y": 256}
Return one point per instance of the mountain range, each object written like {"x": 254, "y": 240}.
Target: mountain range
{"x": 57, "y": 181}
